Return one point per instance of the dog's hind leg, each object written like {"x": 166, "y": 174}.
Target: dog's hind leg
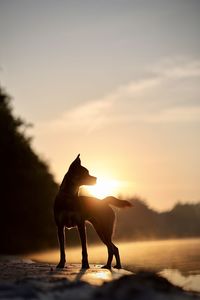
{"x": 117, "y": 257}
{"x": 61, "y": 237}
{"x": 105, "y": 235}
{"x": 112, "y": 250}
{"x": 110, "y": 255}
{"x": 82, "y": 233}
{"x": 108, "y": 244}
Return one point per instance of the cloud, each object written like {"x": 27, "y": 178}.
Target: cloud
{"x": 170, "y": 94}
{"x": 179, "y": 68}
{"x": 88, "y": 116}
{"x": 173, "y": 115}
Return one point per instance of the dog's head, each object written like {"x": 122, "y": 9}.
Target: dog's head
{"x": 79, "y": 174}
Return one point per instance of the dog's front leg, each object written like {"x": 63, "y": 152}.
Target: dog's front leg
{"x": 82, "y": 233}
{"x": 61, "y": 239}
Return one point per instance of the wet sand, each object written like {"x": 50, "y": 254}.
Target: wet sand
{"x": 24, "y": 279}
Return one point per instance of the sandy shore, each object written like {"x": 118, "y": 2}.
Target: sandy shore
{"x": 25, "y": 279}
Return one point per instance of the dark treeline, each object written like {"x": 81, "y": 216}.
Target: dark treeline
{"x": 27, "y": 191}
{"x": 27, "y": 188}
{"x": 141, "y": 222}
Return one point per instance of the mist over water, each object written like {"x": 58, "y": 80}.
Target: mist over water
{"x": 183, "y": 255}
{"x": 177, "y": 260}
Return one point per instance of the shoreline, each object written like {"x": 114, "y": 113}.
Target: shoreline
{"x": 23, "y": 278}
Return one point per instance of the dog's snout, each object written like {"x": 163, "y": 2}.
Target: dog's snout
{"x": 93, "y": 179}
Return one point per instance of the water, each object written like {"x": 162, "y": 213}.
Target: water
{"x": 177, "y": 260}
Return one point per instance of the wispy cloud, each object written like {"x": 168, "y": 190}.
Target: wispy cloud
{"x": 88, "y": 116}
{"x": 170, "y": 94}
{"x": 178, "y": 68}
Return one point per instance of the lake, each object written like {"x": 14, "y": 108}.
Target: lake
{"x": 177, "y": 260}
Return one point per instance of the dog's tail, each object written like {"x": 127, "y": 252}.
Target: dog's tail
{"x": 116, "y": 202}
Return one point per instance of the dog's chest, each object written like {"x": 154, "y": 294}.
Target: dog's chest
{"x": 71, "y": 218}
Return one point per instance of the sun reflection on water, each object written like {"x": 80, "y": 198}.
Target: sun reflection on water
{"x": 178, "y": 260}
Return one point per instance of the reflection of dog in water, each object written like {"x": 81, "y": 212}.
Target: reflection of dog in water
{"x": 71, "y": 210}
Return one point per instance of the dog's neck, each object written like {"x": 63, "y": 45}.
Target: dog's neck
{"x": 69, "y": 187}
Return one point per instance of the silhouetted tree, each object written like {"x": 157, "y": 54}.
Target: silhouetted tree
{"x": 27, "y": 188}
{"x": 141, "y": 222}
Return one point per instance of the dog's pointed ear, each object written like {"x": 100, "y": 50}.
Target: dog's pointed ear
{"x": 76, "y": 162}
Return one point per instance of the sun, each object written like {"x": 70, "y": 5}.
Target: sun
{"x": 103, "y": 188}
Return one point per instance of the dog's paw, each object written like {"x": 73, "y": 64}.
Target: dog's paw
{"x": 106, "y": 267}
{"x": 118, "y": 267}
{"x": 61, "y": 265}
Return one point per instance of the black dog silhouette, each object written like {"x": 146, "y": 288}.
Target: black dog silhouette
{"x": 71, "y": 210}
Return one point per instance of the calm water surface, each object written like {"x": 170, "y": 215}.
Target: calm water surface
{"x": 177, "y": 260}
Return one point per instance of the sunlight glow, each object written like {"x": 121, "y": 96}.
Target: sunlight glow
{"x": 103, "y": 188}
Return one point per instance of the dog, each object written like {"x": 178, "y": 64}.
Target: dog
{"x": 72, "y": 210}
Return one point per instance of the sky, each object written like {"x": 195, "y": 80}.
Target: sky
{"x": 117, "y": 81}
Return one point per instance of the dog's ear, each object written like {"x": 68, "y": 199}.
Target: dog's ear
{"x": 76, "y": 162}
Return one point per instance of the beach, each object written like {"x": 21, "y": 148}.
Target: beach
{"x": 22, "y": 278}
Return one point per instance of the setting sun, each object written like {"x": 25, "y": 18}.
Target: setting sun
{"x": 103, "y": 188}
